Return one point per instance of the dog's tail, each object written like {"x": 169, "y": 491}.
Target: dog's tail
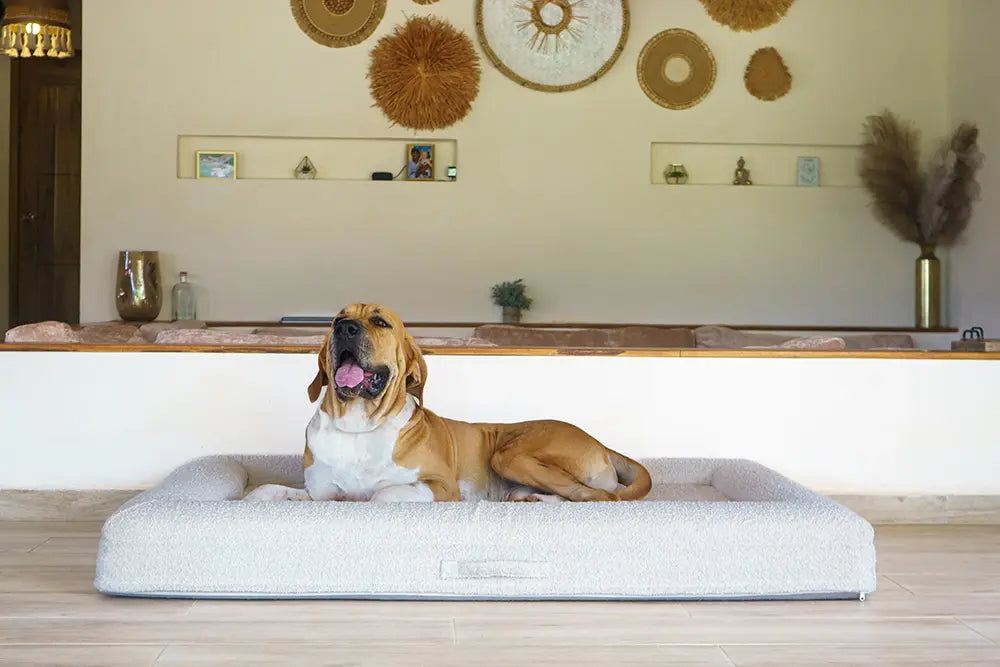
{"x": 633, "y": 475}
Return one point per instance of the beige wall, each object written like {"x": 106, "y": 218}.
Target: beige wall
{"x": 553, "y": 187}
{"x": 975, "y": 96}
{"x": 4, "y": 191}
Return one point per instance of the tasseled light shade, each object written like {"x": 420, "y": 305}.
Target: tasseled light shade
{"x": 37, "y": 28}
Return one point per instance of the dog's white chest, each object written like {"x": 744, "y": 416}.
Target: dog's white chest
{"x": 351, "y": 463}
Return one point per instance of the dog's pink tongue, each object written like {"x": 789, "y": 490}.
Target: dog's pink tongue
{"x": 349, "y": 375}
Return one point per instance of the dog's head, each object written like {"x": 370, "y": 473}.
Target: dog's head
{"x": 368, "y": 356}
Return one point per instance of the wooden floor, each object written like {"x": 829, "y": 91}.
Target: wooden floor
{"x": 938, "y": 603}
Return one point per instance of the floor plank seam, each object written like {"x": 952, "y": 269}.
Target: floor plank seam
{"x": 40, "y": 545}
{"x": 728, "y": 657}
{"x": 988, "y": 639}
{"x": 900, "y": 585}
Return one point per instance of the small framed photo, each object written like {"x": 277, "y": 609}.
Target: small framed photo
{"x": 216, "y": 164}
{"x": 808, "y": 172}
{"x": 420, "y": 162}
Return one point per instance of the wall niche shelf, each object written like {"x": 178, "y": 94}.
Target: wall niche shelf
{"x": 773, "y": 165}
{"x": 267, "y": 157}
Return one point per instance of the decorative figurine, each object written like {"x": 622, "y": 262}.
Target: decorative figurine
{"x": 742, "y": 173}
{"x": 306, "y": 169}
{"x": 675, "y": 174}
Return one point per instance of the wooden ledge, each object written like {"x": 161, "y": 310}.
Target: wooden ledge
{"x": 601, "y": 325}
{"x": 529, "y": 351}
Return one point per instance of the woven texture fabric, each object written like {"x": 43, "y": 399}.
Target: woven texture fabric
{"x": 711, "y": 528}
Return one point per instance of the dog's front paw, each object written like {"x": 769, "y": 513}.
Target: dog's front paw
{"x": 275, "y": 493}
{"x": 524, "y": 494}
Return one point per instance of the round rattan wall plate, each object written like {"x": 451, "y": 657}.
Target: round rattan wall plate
{"x": 338, "y": 23}
{"x": 552, "y": 45}
{"x": 656, "y": 65}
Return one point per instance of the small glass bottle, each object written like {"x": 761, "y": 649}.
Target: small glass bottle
{"x": 184, "y": 307}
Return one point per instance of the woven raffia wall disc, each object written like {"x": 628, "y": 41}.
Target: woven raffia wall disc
{"x": 425, "y": 75}
{"x": 338, "y": 23}
{"x": 767, "y": 77}
{"x": 747, "y": 15}
{"x": 652, "y": 69}
{"x": 552, "y": 45}
{"x": 425, "y": 2}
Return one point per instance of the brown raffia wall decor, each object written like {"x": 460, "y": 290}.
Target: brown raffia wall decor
{"x": 425, "y": 74}
{"x": 338, "y": 23}
{"x": 425, "y": 2}
{"x": 663, "y": 48}
{"x": 747, "y": 15}
{"x": 767, "y": 77}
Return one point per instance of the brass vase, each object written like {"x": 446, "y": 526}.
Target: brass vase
{"x": 138, "y": 296}
{"x": 928, "y": 303}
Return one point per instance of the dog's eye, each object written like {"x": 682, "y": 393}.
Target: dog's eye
{"x": 379, "y": 322}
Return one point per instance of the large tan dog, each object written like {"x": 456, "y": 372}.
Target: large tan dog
{"x": 371, "y": 438}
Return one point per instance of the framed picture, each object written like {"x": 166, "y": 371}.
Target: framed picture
{"x": 420, "y": 162}
{"x": 808, "y": 171}
{"x": 216, "y": 164}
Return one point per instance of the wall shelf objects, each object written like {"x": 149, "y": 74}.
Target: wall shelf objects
{"x": 265, "y": 157}
{"x": 770, "y": 165}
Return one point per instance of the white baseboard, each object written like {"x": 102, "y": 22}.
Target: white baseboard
{"x": 88, "y": 505}
{"x": 925, "y": 509}
{"x": 85, "y": 505}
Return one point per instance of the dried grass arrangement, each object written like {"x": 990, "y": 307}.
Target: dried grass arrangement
{"x": 747, "y": 15}
{"x": 425, "y": 75}
{"x": 931, "y": 207}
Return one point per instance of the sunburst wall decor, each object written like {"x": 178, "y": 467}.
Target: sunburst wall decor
{"x": 552, "y": 45}
{"x": 425, "y": 75}
{"x": 747, "y": 15}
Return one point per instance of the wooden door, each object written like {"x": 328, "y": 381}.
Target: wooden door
{"x": 45, "y": 190}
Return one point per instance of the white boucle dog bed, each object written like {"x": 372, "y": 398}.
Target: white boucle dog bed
{"x": 710, "y": 529}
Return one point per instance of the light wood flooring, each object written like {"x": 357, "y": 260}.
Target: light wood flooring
{"x": 938, "y": 603}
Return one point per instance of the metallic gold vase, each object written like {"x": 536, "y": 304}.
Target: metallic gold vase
{"x": 928, "y": 302}
{"x": 138, "y": 296}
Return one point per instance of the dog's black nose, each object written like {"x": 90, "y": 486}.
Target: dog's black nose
{"x": 346, "y": 328}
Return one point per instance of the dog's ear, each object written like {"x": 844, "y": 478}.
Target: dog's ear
{"x": 321, "y": 379}
{"x": 416, "y": 369}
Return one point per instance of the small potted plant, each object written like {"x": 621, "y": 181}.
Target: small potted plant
{"x": 510, "y": 296}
